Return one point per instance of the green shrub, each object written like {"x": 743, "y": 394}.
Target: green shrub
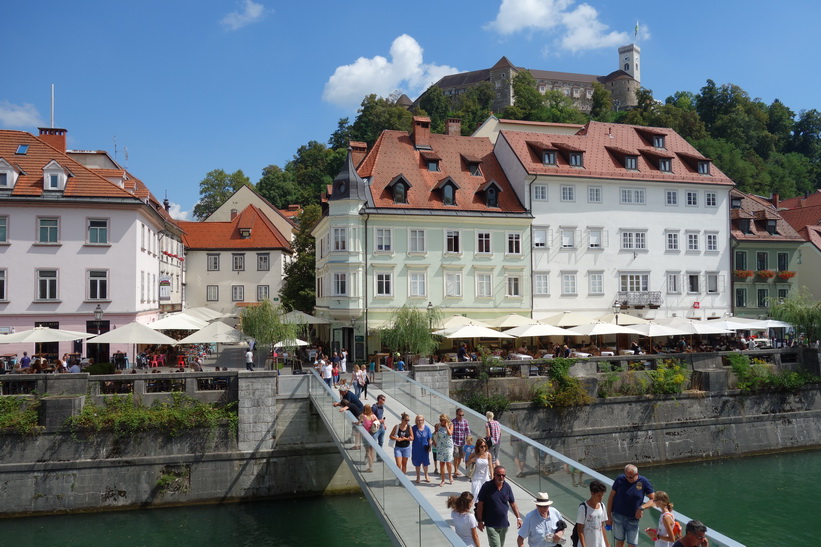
{"x": 562, "y": 390}
{"x": 670, "y": 376}
{"x": 19, "y": 415}
{"x": 100, "y": 368}
{"x": 482, "y": 403}
{"x": 756, "y": 375}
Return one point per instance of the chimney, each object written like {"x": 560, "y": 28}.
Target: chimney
{"x": 420, "y": 135}
{"x": 453, "y": 127}
{"x": 54, "y": 137}
{"x": 775, "y": 200}
{"x": 358, "y": 151}
{"x": 233, "y": 214}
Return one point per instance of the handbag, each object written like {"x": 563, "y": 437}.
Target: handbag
{"x": 375, "y": 427}
{"x": 489, "y": 441}
{"x": 470, "y": 470}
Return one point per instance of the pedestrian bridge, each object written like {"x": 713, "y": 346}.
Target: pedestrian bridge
{"x": 417, "y": 514}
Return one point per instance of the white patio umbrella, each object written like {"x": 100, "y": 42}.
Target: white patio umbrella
{"x": 178, "y": 321}
{"x": 291, "y": 343}
{"x": 622, "y": 319}
{"x": 216, "y": 332}
{"x": 460, "y": 321}
{"x": 700, "y": 327}
{"x": 540, "y": 329}
{"x": 132, "y": 333}
{"x": 568, "y": 319}
{"x": 471, "y": 331}
{"x": 653, "y": 330}
{"x": 43, "y": 334}
{"x": 302, "y": 318}
{"x": 206, "y": 314}
{"x": 510, "y": 320}
{"x": 732, "y": 324}
{"x": 599, "y": 328}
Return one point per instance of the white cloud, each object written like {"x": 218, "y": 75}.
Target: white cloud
{"x": 405, "y": 70}
{"x": 250, "y": 12}
{"x": 19, "y": 116}
{"x": 177, "y": 213}
{"x": 574, "y": 28}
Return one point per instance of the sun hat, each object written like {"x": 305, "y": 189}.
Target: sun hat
{"x": 542, "y": 500}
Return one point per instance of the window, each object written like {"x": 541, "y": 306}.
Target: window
{"x": 540, "y": 192}
{"x": 568, "y": 283}
{"x": 238, "y": 262}
{"x": 744, "y": 225}
{"x": 692, "y": 242}
{"x": 658, "y": 141}
{"x": 98, "y": 284}
{"x": 418, "y": 284}
{"x": 433, "y": 165}
{"x": 539, "y": 238}
{"x": 671, "y": 197}
{"x": 568, "y": 239}
{"x": 665, "y": 165}
{"x": 595, "y": 239}
{"x": 484, "y": 285}
{"x": 633, "y": 195}
{"x": 340, "y": 239}
{"x": 263, "y": 292}
{"x": 492, "y": 197}
{"x": 541, "y": 284}
{"x": 98, "y": 231}
{"x": 483, "y": 243}
{"x": 53, "y": 181}
{"x": 596, "y": 283}
{"x": 740, "y": 298}
{"x": 712, "y": 283}
{"x": 514, "y": 244}
{"x": 237, "y": 293}
{"x": 383, "y": 239}
{"x": 46, "y": 284}
{"x": 384, "y": 284}
{"x": 692, "y": 199}
{"x": 710, "y": 199}
{"x": 575, "y": 159}
{"x": 594, "y": 194}
{"x": 22, "y": 149}
{"x": 771, "y": 227}
{"x": 704, "y": 168}
{"x": 4, "y": 229}
{"x": 712, "y": 243}
{"x": 263, "y": 262}
{"x": 763, "y": 296}
{"x": 514, "y": 286}
{"x": 212, "y": 293}
{"x": 634, "y": 282}
{"x": 448, "y": 195}
{"x": 340, "y": 284}
{"x": 631, "y": 162}
{"x": 672, "y": 241}
{"x": 783, "y": 261}
{"x": 673, "y": 280}
{"x": 549, "y": 157}
{"x": 3, "y": 291}
{"x": 633, "y": 240}
{"x": 453, "y": 284}
{"x": 399, "y": 193}
{"x": 475, "y": 170}
{"x": 692, "y": 283}
{"x": 568, "y": 193}
{"x": 48, "y": 230}
{"x": 740, "y": 260}
{"x": 212, "y": 262}
{"x": 762, "y": 261}
{"x": 417, "y": 241}
{"x": 782, "y": 294}
{"x": 452, "y": 243}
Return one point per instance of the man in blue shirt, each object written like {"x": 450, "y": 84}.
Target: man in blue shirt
{"x": 491, "y": 509}
{"x": 625, "y": 506}
{"x": 379, "y": 410}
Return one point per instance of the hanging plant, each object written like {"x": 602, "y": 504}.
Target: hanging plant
{"x": 785, "y": 275}
{"x": 766, "y": 274}
{"x": 743, "y": 274}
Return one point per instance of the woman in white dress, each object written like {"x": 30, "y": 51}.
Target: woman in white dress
{"x": 483, "y": 462}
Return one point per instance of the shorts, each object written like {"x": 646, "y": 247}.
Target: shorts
{"x": 458, "y": 452}
{"x": 625, "y": 529}
{"x": 400, "y": 452}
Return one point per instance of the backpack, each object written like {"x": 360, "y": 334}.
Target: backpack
{"x": 574, "y": 537}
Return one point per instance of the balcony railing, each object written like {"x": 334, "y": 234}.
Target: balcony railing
{"x": 639, "y": 299}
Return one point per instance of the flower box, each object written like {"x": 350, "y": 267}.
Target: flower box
{"x": 743, "y": 274}
{"x": 785, "y": 275}
{"x": 765, "y": 274}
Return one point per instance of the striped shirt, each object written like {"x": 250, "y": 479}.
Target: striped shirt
{"x": 495, "y": 431}
{"x": 461, "y": 430}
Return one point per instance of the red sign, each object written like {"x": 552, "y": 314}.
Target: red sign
{"x": 696, "y": 305}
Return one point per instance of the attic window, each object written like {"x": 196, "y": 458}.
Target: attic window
{"x": 54, "y": 177}
{"x": 400, "y": 193}
{"x": 245, "y": 233}
{"x": 666, "y": 165}
{"x": 433, "y": 165}
{"x": 704, "y": 168}
{"x": 744, "y": 225}
{"x": 575, "y": 159}
{"x": 549, "y": 157}
{"x": 22, "y": 149}
{"x": 448, "y": 195}
{"x": 492, "y": 197}
{"x": 658, "y": 141}
{"x": 771, "y": 227}
{"x": 474, "y": 169}
{"x": 735, "y": 203}
{"x": 631, "y": 162}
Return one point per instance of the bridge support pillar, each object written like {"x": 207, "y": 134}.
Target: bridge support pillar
{"x": 257, "y": 410}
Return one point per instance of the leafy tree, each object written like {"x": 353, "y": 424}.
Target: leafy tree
{"x": 790, "y": 174}
{"x": 474, "y": 106}
{"x": 298, "y": 289}
{"x": 801, "y": 310}
{"x": 559, "y": 108}
{"x": 264, "y": 324}
{"x": 436, "y": 106}
{"x": 216, "y": 188}
{"x": 341, "y": 138}
{"x": 602, "y": 103}
{"x": 525, "y": 95}
{"x": 377, "y": 114}
{"x": 409, "y": 331}
{"x": 278, "y": 187}
{"x": 730, "y": 160}
{"x": 684, "y": 100}
{"x": 780, "y": 122}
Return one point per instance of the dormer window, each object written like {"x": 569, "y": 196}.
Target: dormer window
{"x": 7, "y": 175}
{"x": 666, "y": 165}
{"x": 400, "y": 194}
{"x": 448, "y": 195}
{"x": 704, "y": 168}
{"x": 474, "y": 170}
{"x": 54, "y": 177}
{"x": 549, "y": 157}
{"x": 631, "y": 162}
{"x": 245, "y": 233}
{"x": 735, "y": 203}
{"x": 492, "y": 197}
{"x": 658, "y": 141}
{"x": 575, "y": 159}
{"x": 744, "y": 225}
{"x": 771, "y": 227}
{"x": 433, "y": 165}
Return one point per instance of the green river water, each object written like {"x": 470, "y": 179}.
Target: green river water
{"x": 759, "y": 501}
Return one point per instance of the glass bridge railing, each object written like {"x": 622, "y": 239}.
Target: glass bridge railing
{"x": 408, "y": 516}
{"x": 531, "y": 465}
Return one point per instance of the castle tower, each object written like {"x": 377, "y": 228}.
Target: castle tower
{"x": 629, "y": 60}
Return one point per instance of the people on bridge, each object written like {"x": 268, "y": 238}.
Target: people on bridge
{"x": 249, "y": 358}
{"x": 695, "y": 535}
{"x": 491, "y": 510}
{"x": 461, "y": 430}
{"x": 421, "y": 447}
{"x": 379, "y": 410}
{"x": 403, "y": 435}
{"x": 349, "y": 401}
{"x": 591, "y": 517}
{"x": 443, "y": 441}
{"x": 482, "y": 463}
{"x": 464, "y": 520}
{"x": 625, "y": 505}
{"x": 370, "y": 422}
{"x": 493, "y": 433}
{"x": 668, "y": 530}
{"x": 542, "y": 527}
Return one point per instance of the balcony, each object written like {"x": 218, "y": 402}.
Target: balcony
{"x": 639, "y": 299}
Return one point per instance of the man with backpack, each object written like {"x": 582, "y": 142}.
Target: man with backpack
{"x": 589, "y": 530}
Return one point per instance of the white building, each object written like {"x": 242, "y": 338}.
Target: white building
{"x": 622, "y": 214}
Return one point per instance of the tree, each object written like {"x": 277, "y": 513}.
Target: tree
{"x": 216, "y": 188}
{"x": 299, "y": 287}
{"x": 473, "y": 106}
{"x": 264, "y": 324}
{"x": 436, "y": 106}
{"x": 278, "y": 187}
{"x": 559, "y": 108}
{"x": 377, "y": 114}
{"x": 602, "y": 103}
{"x": 409, "y": 331}
{"x": 730, "y": 160}
{"x": 801, "y": 310}
{"x": 341, "y": 138}
{"x": 525, "y": 95}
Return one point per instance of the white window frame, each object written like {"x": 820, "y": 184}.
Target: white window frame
{"x": 340, "y": 284}
{"x": 453, "y": 242}
{"x": 263, "y": 262}
{"x": 212, "y": 262}
{"x": 453, "y": 284}
{"x": 539, "y": 192}
{"x": 514, "y": 243}
{"x": 634, "y": 282}
{"x": 263, "y": 292}
{"x": 340, "y": 239}
{"x": 634, "y": 240}
{"x": 55, "y": 229}
{"x": 671, "y": 198}
{"x": 383, "y": 284}
{"x": 568, "y": 193}
{"x": 596, "y": 283}
{"x": 484, "y": 239}
{"x": 416, "y": 241}
{"x": 484, "y": 285}
{"x": 237, "y": 262}
{"x": 541, "y": 284}
{"x": 540, "y": 238}
{"x": 384, "y": 240}
{"x": 710, "y": 199}
{"x": 97, "y": 231}
{"x": 417, "y": 284}
{"x": 594, "y": 194}
{"x": 690, "y": 278}
{"x": 237, "y": 293}
{"x": 673, "y": 282}
{"x": 569, "y": 284}
{"x": 49, "y": 291}
{"x": 595, "y": 242}
{"x": 672, "y": 241}
{"x": 691, "y": 198}
{"x": 568, "y": 236}
{"x": 712, "y": 279}
{"x": 94, "y": 280}
{"x": 711, "y": 242}
{"x": 212, "y": 293}
{"x": 513, "y": 285}
{"x": 632, "y": 196}
{"x": 693, "y": 245}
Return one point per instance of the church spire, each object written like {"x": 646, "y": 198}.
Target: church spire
{"x": 347, "y": 183}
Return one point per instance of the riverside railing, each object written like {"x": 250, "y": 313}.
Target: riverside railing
{"x": 409, "y": 517}
{"x": 531, "y": 465}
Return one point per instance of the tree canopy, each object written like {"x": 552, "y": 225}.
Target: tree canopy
{"x": 216, "y": 188}
{"x": 299, "y": 290}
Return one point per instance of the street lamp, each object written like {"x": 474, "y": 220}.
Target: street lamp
{"x": 98, "y": 317}
{"x": 430, "y": 316}
{"x": 616, "y": 306}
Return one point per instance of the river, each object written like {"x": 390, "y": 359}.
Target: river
{"x": 757, "y": 500}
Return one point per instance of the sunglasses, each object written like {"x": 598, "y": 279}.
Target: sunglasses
{"x": 503, "y": 475}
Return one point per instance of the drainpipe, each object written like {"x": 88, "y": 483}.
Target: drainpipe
{"x": 530, "y": 210}
{"x": 365, "y": 293}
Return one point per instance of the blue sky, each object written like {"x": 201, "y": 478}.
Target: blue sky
{"x": 188, "y": 86}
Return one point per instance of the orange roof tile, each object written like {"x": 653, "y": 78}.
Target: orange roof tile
{"x": 810, "y": 200}
{"x": 226, "y": 235}
{"x": 758, "y": 210}
{"x": 802, "y": 216}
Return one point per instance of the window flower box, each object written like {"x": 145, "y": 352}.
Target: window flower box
{"x": 785, "y": 275}
{"x": 765, "y": 274}
{"x": 743, "y": 274}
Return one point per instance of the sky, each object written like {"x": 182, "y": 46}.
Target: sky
{"x": 189, "y": 86}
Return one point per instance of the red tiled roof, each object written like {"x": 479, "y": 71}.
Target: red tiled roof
{"x": 811, "y": 200}
{"x": 81, "y": 182}
{"x": 225, "y": 235}
{"x": 595, "y": 139}
{"x": 394, "y": 153}
{"x": 812, "y": 234}
{"x": 758, "y": 210}
{"x": 802, "y": 216}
